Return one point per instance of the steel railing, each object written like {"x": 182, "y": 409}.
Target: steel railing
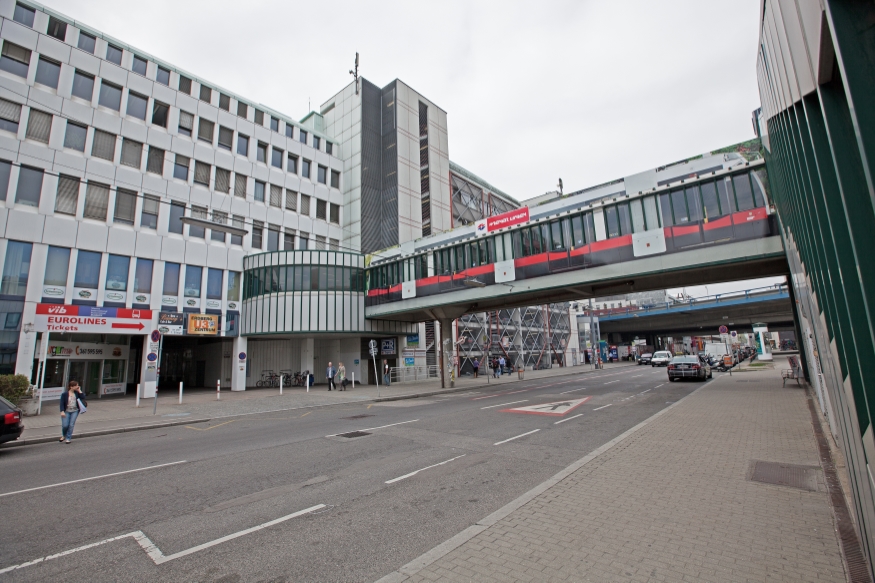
{"x": 412, "y": 374}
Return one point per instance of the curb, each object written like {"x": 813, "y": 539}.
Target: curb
{"x": 49, "y": 439}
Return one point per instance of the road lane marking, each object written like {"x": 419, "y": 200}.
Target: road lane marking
{"x": 569, "y": 419}
{"x": 307, "y": 413}
{"x": 517, "y": 437}
{"x": 371, "y": 405}
{"x": 637, "y": 375}
{"x": 503, "y": 404}
{"x": 647, "y": 391}
{"x": 515, "y": 392}
{"x": 374, "y": 428}
{"x": 608, "y": 405}
{"x": 609, "y": 382}
{"x": 92, "y": 478}
{"x": 411, "y": 474}
{"x": 213, "y": 427}
{"x": 657, "y": 386}
{"x": 573, "y": 390}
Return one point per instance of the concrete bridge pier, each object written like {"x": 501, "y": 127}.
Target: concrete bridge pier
{"x": 447, "y": 374}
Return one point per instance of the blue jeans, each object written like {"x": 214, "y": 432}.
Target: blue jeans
{"x": 67, "y": 423}
{"x": 386, "y": 380}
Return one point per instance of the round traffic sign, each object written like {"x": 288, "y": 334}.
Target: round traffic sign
{"x": 156, "y": 335}
{"x": 242, "y": 356}
{"x": 724, "y": 330}
{"x": 152, "y": 357}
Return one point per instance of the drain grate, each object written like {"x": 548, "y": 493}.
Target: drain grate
{"x": 362, "y": 416}
{"x": 353, "y": 434}
{"x": 802, "y": 477}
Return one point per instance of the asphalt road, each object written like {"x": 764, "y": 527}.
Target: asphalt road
{"x": 459, "y": 457}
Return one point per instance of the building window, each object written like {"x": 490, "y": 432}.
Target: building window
{"x": 103, "y": 145}
{"x": 5, "y": 170}
{"x": 276, "y": 158}
{"x": 261, "y": 152}
{"x": 57, "y": 29}
{"x": 47, "y": 72}
{"x": 30, "y": 185}
{"x": 86, "y": 42}
{"x": 149, "y": 214}
{"x": 113, "y": 54}
{"x": 110, "y": 95}
{"x": 292, "y": 164}
{"x": 197, "y": 212}
{"x": 226, "y": 138}
{"x": 259, "y": 117}
{"x": 83, "y": 85}
{"x": 236, "y": 222}
{"x": 24, "y": 15}
{"x": 257, "y": 232}
{"x": 305, "y": 168}
{"x": 242, "y": 109}
{"x": 75, "y": 136}
{"x": 290, "y": 130}
{"x": 321, "y": 172}
{"x": 139, "y": 66}
{"x": 16, "y": 269}
{"x": 273, "y": 238}
{"x": 202, "y": 172}
{"x": 143, "y": 277}
{"x": 180, "y": 167}
{"x": 159, "y": 114}
{"x": 259, "y": 191}
{"x": 276, "y": 196}
{"x": 333, "y": 245}
{"x": 205, "y": 130}
{"x": 137, "y": 105}
{"x": 214, "y": 283}
{"x": 220, "y": 219}
{"x": 224, "y": 102}
{"x": 117, "y": 267}
{"x": 39, "y": 126}
{"x": 303, "y": 241}
{"x": 132, "y": 153}
{"x": 320, "y": 243}
{"x": 329, "y": 147}
{"x": 10, "y": 115}
{"x": 163, "y": 76}
{"x": 186, "y": 123}
{"x": 125, "y": 206}
{"x": 334, "y": 214}
{"x": 177, "y": 211}
{"x": 335, "y": 179}
{"x": 185, "y": 84}
{"x": 14, "y": 59}
{"x": 87, "y": 269}
{"x": 288, "y": 240}
{"x": 155, "y": 164}
{"x": 242, "y": 145}
{"x": 193, "y": 280}
{"x": 316, "y": 142}
{"x": 274, "y": 124}
{"x": 223, "y": 180}
{"x": 67, "y": 197}
{"x": 206, "y": 94}
{"x": 321, "y": 209}
{"x": 96, "y": 201}
{"x": 291, "y": 200}
{"x": 57, "y": 266}
{"x": 303, "y": 136}
{"x": 171, "y": 279}
{"x": 240, "y": 185}
{"x": 305, "y": 205}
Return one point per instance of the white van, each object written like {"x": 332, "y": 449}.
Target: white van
{"x": 661, "y": 358}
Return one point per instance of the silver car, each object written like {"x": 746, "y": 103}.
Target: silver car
{"x": 661, "y": 358}
{"x": 693, "y": 367}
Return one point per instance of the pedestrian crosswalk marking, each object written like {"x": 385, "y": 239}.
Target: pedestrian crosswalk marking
{"x": 554, "y": 409}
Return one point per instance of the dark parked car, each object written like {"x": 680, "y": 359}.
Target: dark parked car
{"x": 693, "y": 367}
{"x": 645, "y": 358}
{"x": 12, "y": 427}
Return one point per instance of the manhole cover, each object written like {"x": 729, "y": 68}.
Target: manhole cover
{"x": 354, "y": 434}
{"x": 802, "y": 477}
{"x": 362, "y": 416}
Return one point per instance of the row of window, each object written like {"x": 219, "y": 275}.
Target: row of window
{"x": 297, "y": 278}
{"x": 87, "y": 274}
{"x": 87, "y": 42}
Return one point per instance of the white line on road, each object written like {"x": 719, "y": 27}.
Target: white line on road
{"x": 569, "y": 419}
{"x": 515, "y": 392}
{"x": 411, "y": 474}
{"x": 609, "y": 382}
{"x": 380, "y": 427}
{"x": 503, "y": 404}
{"x": 603, "y": 407}
{"x": 92, "y": 478}
{"x": 517, "y": 437}
{"x": 657, "y": 386}
{"x": 154, "y": 552}
{"x": 636, "y": 376}
{"x": 573, "y": 390}
{"x": 647, "y": 391}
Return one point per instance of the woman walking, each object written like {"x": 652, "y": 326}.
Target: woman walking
{"x": 71, "y": 399}
{"x": 341, "y": 375}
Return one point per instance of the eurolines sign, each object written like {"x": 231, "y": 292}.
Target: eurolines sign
{"x": 502, "y": 221}
{"x": 91, "y": 319}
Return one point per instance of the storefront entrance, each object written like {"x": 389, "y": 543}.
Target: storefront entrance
{"x": 195, "y": 362}
{"x": 87, "y": 372}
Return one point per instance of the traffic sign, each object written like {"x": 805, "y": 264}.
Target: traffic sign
{"x": 373, "y": 351}
{"x": 724, "y": 330}
{"x": 734, "y": 334}
{"x": 152, "y": 357}
{"x": 156, "y": 335}
{"x": 242, "y": 356}
{"x": 555, "y": 409}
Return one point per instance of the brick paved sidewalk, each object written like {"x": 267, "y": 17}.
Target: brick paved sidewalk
{"x": 669, "y": 502}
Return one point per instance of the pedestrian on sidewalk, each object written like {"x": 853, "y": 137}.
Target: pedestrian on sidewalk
{"x": 495, "y": 368}
{"x": 501, "y": 365}
{"x": 72, "y": 403}
{"x": 341, "y": 375}
{"x": 329, "y": 374}
{"x": 386, "y": 376}
{"x": 476, "y": 367}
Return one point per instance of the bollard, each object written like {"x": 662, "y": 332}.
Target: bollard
{"x": 353, "y": 379}
{"x": 281, "y": 384}
{"x": 218, "y": 389}
{"x": 138, "y": 394}
{"x": 155, "y": 403}
{"x": 307, "y": 377}
{"x": 180, "y": 392}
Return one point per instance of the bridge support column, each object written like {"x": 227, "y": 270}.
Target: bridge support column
{"x": 447, "y": 374}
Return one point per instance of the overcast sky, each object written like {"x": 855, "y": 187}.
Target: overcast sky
{"x": 583, "y": 90}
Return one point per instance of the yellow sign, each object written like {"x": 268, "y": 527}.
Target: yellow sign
{"x": 203, "y": 324}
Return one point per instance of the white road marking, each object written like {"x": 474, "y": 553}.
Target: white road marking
{"x": 503, "y": 404}
{"x": 657, "y": 386}
{"x": 636, "y": 376}
{"x": 92, "y": 478}
{"x": 515, "y": 392}
{"x": 569, "y": 419}
{"x": 373, "y": 428}
{"x": 608, "y": 405}
{"x": 609, "y": 382}
{"x": 517, "y": 437}
{"x": 573, "y": 390}
{"x": 411, "y": 474}
{"x": 154, "y": 552}
{"x": 647, "y": 391}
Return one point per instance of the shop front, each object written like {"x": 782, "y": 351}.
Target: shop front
{"x": 98, "y": 367}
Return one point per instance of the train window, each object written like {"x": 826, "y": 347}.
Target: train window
{"x": 546, "y": 238}
{"x": 651, "y": 215}
{"x": 759, "y": 198}
{"x": 612, "y": 222}
{"x": 525, "y": 242}
{"x": 484, "y": 252}
{"x": 743, "y": 192}
{"x": 665, "y": 210}
{"x": 725, "y": 196}
{"x": 461, "y": 264}
{"x": 556, "y": 235}
{"x": 625, "y": 219}
{"x": 637, "y": 210}
{"x": 710, "y": 202}
{"x": 577, "y": 237}
{"x": 693, "y": 203}
{"x": 679, "y": 207}
{"x": 535, "y": 233}
{"x": 588, "y": 228}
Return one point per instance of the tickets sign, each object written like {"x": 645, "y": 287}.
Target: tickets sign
{"x": 504, "y": 220}
{"x": 90, "y": 319}
{"x": 203, "y": 324}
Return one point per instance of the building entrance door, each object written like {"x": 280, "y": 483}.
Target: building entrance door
{"x": 87, "y": 372}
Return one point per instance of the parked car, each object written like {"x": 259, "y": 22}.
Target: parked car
{"x": 693, "y": 367}
{"x": 661, "y": 358}
{"x": 12, "y": 426}
{"x": 645, "y": 358}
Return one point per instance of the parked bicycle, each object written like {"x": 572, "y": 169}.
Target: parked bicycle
{"x": 268, "y": 379}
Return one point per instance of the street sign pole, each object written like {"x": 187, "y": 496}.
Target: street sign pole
{"x": 44, "y": 347}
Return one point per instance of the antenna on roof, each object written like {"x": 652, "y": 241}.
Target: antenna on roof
{"x": 355, "y": 73}
{"x": 560, "y": 187}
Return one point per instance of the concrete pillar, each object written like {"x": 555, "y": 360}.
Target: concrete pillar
{"x": 446, "y": 346}
{"x": 238, "y": 364}
{"x": 149, "y": 368}
{"x": 764, "y": 349}
{"x": 307, "y": 349}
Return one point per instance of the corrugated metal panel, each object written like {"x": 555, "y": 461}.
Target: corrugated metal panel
{"x": 371, "y": 204}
